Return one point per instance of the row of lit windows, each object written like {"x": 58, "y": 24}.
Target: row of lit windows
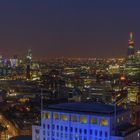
{"x": 74, "y": 118}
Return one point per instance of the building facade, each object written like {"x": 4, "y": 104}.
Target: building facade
{"x": 85, "y": 121}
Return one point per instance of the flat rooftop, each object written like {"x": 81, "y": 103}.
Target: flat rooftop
{"x": 21, "y": 138}
{"x": 89, "y": 108}
{"x": 127, "y": 129}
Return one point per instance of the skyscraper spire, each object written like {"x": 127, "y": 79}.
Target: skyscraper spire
{"x": 131, "y": 36}
{"x": 131, "y": 40}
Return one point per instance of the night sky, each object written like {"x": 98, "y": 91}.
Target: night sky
{"x": 69, "y": 28}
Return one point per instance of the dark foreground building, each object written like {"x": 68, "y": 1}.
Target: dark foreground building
{"x": 21, "y": 138}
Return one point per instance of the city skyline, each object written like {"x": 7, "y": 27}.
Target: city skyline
{"x": 69, "y": 70}
{"x": 68, "y": 29}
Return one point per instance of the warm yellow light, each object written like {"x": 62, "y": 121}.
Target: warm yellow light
{"x": 122, "y": 78}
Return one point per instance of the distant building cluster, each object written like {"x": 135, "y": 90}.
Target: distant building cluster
{"x": 18, "y": 68}
{"x": 95, "y": 84}
{"x": 71, "y": 98}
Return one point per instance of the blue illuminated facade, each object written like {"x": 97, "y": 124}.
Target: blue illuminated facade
{"x": 83, "y": 121}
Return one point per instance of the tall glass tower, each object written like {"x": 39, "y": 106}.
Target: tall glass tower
{"x": 131, "y": 50}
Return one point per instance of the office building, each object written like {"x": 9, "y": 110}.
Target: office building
{"x": 132, "y": 66}
{"x": 85, "y": 121}
{"x": 131, "y": 51}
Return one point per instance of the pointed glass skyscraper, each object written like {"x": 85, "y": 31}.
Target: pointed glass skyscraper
{"x": 131, "y": 49}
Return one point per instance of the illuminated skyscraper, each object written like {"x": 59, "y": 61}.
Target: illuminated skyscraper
{"x": 132, "y": 67}
{"x": 138, "y": 56}
{"x": 131, "y": 50}
{"x": 29, "y": 55}
{"x": 28, "y": 62}
{"x": 85, "y": 121}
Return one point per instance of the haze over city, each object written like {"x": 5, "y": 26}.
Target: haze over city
{"x": 72, "y": 28}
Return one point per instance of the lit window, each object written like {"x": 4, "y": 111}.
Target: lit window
{"x": 83, "y": 119}
{"x": 93, "y": 120}
{"x": 55, "y": 116}
{"x": 64, "y": 117}
{"x": 46, "y": 115}
{"x": 74, "y": 118}
{"x": 104, "y": 122}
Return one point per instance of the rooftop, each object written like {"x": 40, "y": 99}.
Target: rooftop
{"x": 90, "y": 108}
{"x": 22, "y": 138}
{"x": 126, "y": 129}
